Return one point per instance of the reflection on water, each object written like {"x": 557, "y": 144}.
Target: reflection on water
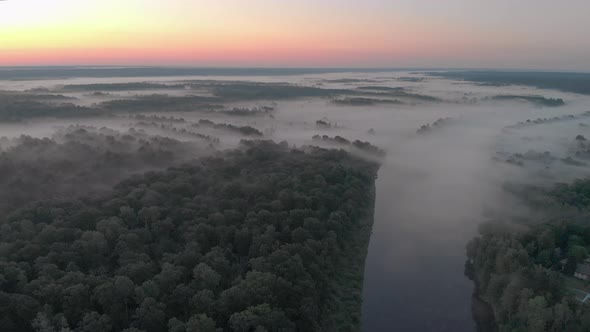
{"x": 413, "y": 276}
{"x": 482, "y": 312}
{"x": 482, "y": 315}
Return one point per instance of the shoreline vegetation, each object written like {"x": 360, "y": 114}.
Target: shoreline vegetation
{"x": 262, "y": 236}
{"x": 528, "y": 271}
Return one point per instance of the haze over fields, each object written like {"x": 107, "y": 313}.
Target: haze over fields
{"x": 253, "y": 166}
{"x": 447, "y": 149}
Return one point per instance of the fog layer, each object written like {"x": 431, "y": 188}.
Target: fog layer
{"x": 450, "y": 148}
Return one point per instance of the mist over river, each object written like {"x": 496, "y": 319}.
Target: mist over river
{"x": 450, "y": 148}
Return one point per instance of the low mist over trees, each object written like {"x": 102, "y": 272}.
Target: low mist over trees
{"x": 20, "y": 106}
{"x": 80, "y": 161}
{"x": 564, "y": 81}
{"x": 256, "y": 238}
{"x": 537, "y": 100}
{"x": 525, "y": 271}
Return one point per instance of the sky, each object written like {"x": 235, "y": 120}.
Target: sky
{"x": 524, "y": 34}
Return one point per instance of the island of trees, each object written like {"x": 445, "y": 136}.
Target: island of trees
{"x": 439, "y": 123}
{"x": 537, "y": 100}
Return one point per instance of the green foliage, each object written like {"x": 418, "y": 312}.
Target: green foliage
{"x": 252, "y": 239}
{"x": 576, "y": 194}
{"x": 522, "y": 270}
{"x": 80, "y": 160}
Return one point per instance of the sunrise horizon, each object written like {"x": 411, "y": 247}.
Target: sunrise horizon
{"x": 308, "y": 165}
{"x": 334, "y": 69}
{"x": 345, "y": 34}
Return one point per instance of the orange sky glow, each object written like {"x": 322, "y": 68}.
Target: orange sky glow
{"x": 372, "y": 33}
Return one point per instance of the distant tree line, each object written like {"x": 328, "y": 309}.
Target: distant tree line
{"x": 243, "y": 130}
{"x": 537, "y": 100}
{"x": 564, "y": 81}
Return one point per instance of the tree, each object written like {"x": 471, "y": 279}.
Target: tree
{"x": 203, "y": 300}
{"x": 537, "y": 315}
{"x": 124, "y": 288}
{"x": 260, "y": 316}
{"x": 206, "y": 277}
{"x": 187, "y": 246}
{"x": 150, "y": 316}
{"x": 200, "y": 323}
{"x": 175, "y": 325}
{"x": 93, "y": 321}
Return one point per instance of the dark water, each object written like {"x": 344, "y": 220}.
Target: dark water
{"x": 483, "y": 315}
{"x": 414, "y": 273}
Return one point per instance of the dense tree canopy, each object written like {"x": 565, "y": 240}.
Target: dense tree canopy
{"x": 262, "y": 238}
{"x": 524, "y": 270}
{"x": 80, "y": 160}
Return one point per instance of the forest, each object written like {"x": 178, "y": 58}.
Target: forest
{"x": 41, "y": 168}
{"x": 263, "y": 237}
{"x": 564, "y": 81}
{"x": 525, "y": 270}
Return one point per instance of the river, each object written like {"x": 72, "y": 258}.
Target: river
{"x": 431, "y": 197}
{"x": 411, "y": 282}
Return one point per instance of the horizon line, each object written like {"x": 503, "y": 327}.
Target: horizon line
{"x": 312, "y": 68}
